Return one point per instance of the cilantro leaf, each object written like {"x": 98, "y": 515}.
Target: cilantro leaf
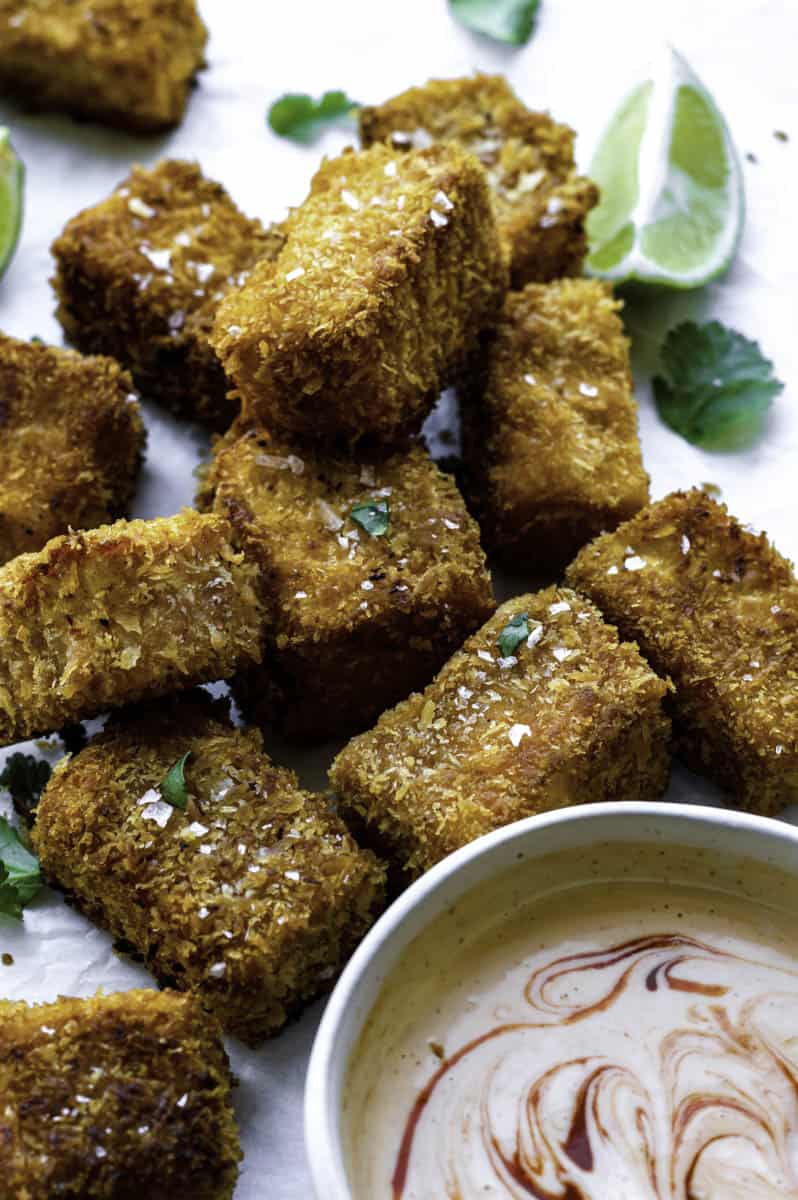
{"x": 20, "y": 879}
{"x": 374, "y": 517}
{"x": 25, "y": 777}
{"x": 301, "y": 118}
{"x": 173, "y": 786}
{"x": 503, "y": 20}
{"x": 718, "y": 388}
{"x": 514, "y": 633}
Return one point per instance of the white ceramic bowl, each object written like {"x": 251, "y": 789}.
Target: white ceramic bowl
{"x": 721, "y": 830}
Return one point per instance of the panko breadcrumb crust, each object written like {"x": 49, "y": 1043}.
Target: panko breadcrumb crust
{"x": 253, "y": 896}
{"x": 114, "y": 1097}
{"x": 540, "y": 201}
{"x": 354, "y": 622}
{"x": 121, "y": 613}
{"x": 71, "y": 443}
{"x": 571, "y": 716}
{"x": 550, "y": 441}
{"x": 128, "y": 63}
{"x": 140, "y": 276}
{"x": 714, "y": 606}
{"x": 391, "y": 268}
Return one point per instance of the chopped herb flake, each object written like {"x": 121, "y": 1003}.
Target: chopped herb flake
{"x": 514, "y": 633}
{"x": 20, "y": 878}
{"x": 301, "y": 118}
{"x": 173, "y": 787}
{"x": 503, "y": 20}
{"x": 25, "y": 777}
{"x": 719, "y": 386}
{"x": 374, "y": 517}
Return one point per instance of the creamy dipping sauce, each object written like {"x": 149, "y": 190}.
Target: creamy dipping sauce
{"x": 632, "y": 1037}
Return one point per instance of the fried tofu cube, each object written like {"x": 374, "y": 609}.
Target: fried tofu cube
{"x": 252, "y": 896}
{"x": 542, "y": 708}
{"x": 715, "y": 607}
{"x": 115, "y": 1096}
{"x": 127, "y": 63}
{"x": 140, "y": 276}
{"x": 391, "y": 268}
{"x": 121, "y": 613}
{"x": 372, "y": 576}
{"x": 540, "y": 201}
{"x": 551, "y": 449}
{"x": 71, "y": 443}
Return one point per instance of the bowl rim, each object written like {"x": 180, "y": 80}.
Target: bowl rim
{"x": 323, "y": 1143}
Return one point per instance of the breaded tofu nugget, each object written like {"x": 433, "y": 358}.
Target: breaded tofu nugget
{"x": 124, "y": 612}
{"x": 391, "y": 268}
{"x": 542, "y": 708}
{"x": 252, "y": 896}
{"x": 128, "y": 63}
{"x": 372, "y": 576}
{"x": 550, "y": 441}
{"x": 540, "y": 201}
{"x": 715, "y": 607}
{"x": 113, "y": 1097}
{"x": 71, "y": 443}
{"x": 140, "y": 276}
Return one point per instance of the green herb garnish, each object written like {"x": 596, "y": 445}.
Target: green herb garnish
{"x": 20, "y": 878}
{"x": 301, "y": 118}
{"x": 374, "y": 517}
{"x": 503, "y": 20}
{"x": 25, "y": 777}
{"x": 719, "y": 386}
{"x": 514, "y": 633}
{"x": 173, "y": 787}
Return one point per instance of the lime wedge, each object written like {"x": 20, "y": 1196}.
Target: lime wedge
{"x": 672, "y": 203}
{"x": 12, "y": 175}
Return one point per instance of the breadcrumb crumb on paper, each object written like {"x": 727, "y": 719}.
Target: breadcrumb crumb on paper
{"x": 539, "y": 199}
{"x": 332, "y": 662}
{"x": 127, "y": 63}
{"x": 714, "y": 606}
{"x": 127, "y": 611}
{"x": 71, "y": 443}
{"x": 577, "y": 716}
{"x": 141, "y": 274}
{"x": 113, "y": 1096}
{"x": 550, "y": 439}
{"x": 394, "y": 288}
{"x": 253, "y": 896}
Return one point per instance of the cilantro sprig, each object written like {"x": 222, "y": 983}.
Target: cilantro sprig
{"x": 20, "y": 878}
{"x": 508, "y": 21}
{"x": 374, "y": 517}
{"x": 25, "y": 777}
{"x": 302, "y": 118}
{"x": 514, "y": 633}
{"x": 717, "y": 386}
{"x": 173, "y": 786}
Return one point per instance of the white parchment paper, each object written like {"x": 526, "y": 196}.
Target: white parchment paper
{"x": 584, "y": 54}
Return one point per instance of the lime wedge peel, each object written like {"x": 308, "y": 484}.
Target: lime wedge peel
{"x": 12, "y": 180}
{"x": 672, "y": 203}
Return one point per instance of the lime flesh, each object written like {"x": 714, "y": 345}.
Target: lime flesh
{"x": 12, "y": 175}
{"x": 672, "y": 205}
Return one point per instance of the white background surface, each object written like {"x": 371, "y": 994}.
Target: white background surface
{"x": 582, "y": 57}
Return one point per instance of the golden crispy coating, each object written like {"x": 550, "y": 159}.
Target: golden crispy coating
{"x": 114, "y": 1097}
{"x": 391, "y": 268}
{"x": 540, "y": 201}
{"x": 716, "y": 608}
{"x": 550, "y": 440}
{"x": 71, "y": 443}
{"x": 128, "y": 63}
{"x": 123, "y": 612}
{"x": 140, "y": 276}
{"x": 356, "y": 621}
{"x": 253, "y": 896}
{"x": 570, "y": 716}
